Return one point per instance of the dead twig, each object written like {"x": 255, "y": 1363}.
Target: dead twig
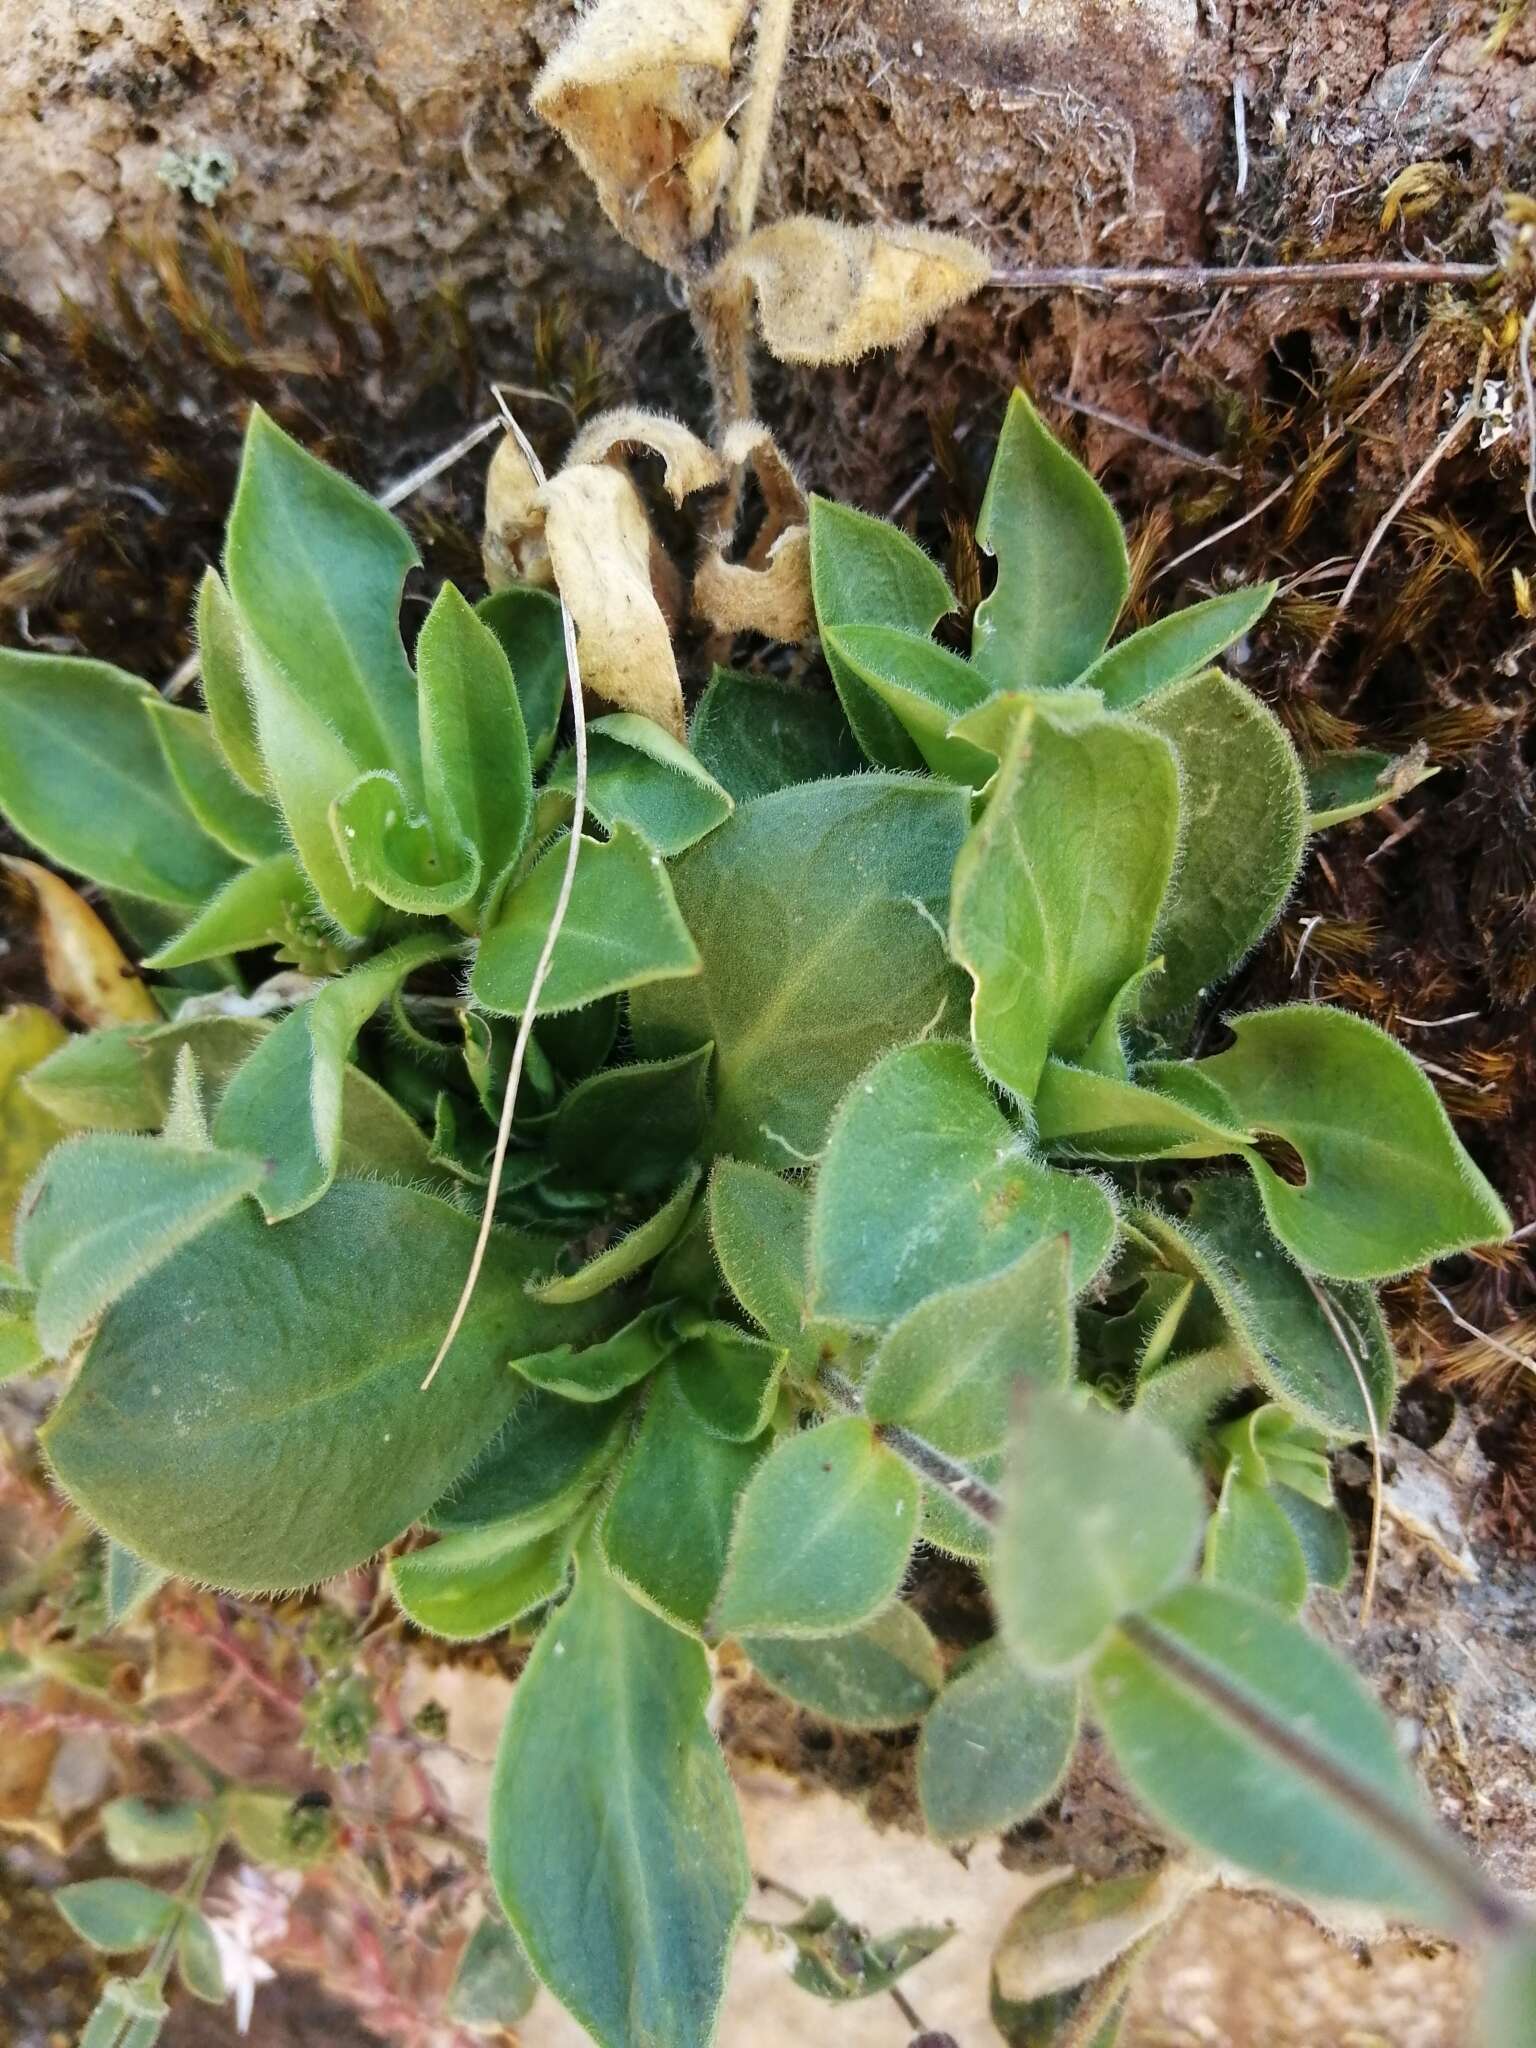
{"x": 1153, "y": 439}
{"x": 1200, "y": 277}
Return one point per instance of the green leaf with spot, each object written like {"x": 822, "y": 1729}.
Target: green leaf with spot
{"x": 615, "y": 1843}
{"x": 926, "y": 689}
{"x": 633, "y": 1129}
{"x": 527, "y": 623}
{"x": 1353, "y": 782}
{"x": 823, "y": 1536}
{"x": 667, "y": 1527}
{"x": 995, "y": 1746}
{"x": 1242, "y": 832}
{"x": 474, "y": 744}
{"x": 1175, "y": 647}
{"x": 1388, "y": 1185}
{"x": 866, "y": 572}
{"x": 83, "y": 778}
{"x": 755, "y": 734}
{"x": 397, "y": 855}
{"x": 480, "y": 1581}
{"x": 883, "y": 1675}
{"x": 266, "y": 1451}
{"x": 925, "y": 1185}
{"x": 949, "y": 1369}
{"x": 637, "y": 1248}
{"x": 1062, "y": 570}
{"x": 818, "y": 916}
{"x": 222, "y": 673}
{"x": 258, "y": 906}
{"x": 639, "y": 775}
{"x": 244, "y": 825}
{"x": 1060, "y": 885}
{"x": 623, "y": 929}
{"x": 1102, "y": 1514}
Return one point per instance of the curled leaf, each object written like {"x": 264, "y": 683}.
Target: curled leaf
{"x": 85, "y": 966}
{"x": 691, "y": 465}
{"x": 512, "y": 547}
{"x": 638, "y": 94}
{"x": 827, "y": 293}
{"x": 774, "y": 600}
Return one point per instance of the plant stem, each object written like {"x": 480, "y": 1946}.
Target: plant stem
{"x": 1157, "y": 277}
{"x": 772, "y": 46}
{"x": 937, "y": 1467}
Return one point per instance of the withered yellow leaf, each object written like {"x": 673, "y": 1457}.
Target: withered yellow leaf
{"x": 749, "y": 441}
{"x": 829, "y": 294}
{"x": 638, "y": 92}
{"x": 512, "y": 547}
{"x": 86, "y": 967}
{"x": 599, "y": 541}
{"x": 691, "y": 465}
{"x": 774, "y": 600}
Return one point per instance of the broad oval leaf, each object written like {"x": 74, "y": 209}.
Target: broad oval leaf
{"x": 994, "y": 1747}
{"x": 615, "y": 1844}
{"x": 818, "y": 915}
{"x": 1388, "y": 1185}
{"x": 1102, "y": 1514}
{"x": 244, "y": 825}
{"x": 756, "y": 734}
{"x": 153, "y": 1837}
{"x": 207, "y": 1437}
{"x": 83, "y": 778}
{"x": 1062, "y": 569}
{"x": 1257, "y": 1743}
{"x": 480, "y": 1581}
{"x": 883, "y": 1675}
{"x": 1175, "y": 647}
{"x": 633, "y": 1128}
{"x": 925, "y": 1185}
{"x": 949, "y": 1369}
{"x": 925, "y": 687}
{"x": 757, "y": 1223}
{"x": 474, "y": 744}
{"x": 622, "y": 929}
{"x": 866, "y": 572}
{"x": 822, "y": 1540}
{"x": 1060, "y": 885}
{"x": 198, "y": 1962}
{"x": 117, "y": 1914}
{"x": 1242, "y": 832}
{"x": 1251, "y": 1546}
{"x": 639, "y": 775}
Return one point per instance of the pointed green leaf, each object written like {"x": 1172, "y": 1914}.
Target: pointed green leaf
{"x": 639, "y": 775}
{"x": 83, "y": 778}
{"x": 926, "y": 689}
{"x": 949, "y": 1368}
{"x": 1251, "y": 1547}
{"x": 666, "y": 1530}
{"x": 257, "y": 906}
{"x": 539, "y": 1470}
{"x": 755, "y": 734}
{"x": 1388, "y": 1185}
{"x": 817, "y": 912}
{"x": 1348, "y": 784}
{"x": 994, "y": 1747}
{"x": 104, "y": 1211}
{"x": 622, "y": 929}
{"x": 285, "y": 1105}
{"x": 1241, "y": 837}
{"x": 1247, "y": 1736}
{"x": 117, "y": 1914}
{"x": 1058, "y": 889}
{"x": 244, "y": 825}
{"x": 865, "y": 572}
{"x": 494, "y": 1986}
{"x": 222, "y": 673}
{"x": 599, "y": 1371}
{"x": 633, "y": 1128}
{"x": 728, "y": 1378}
{"x": 615, "y": 1843}
{"x": 197, "y": 1959}
{"x": 130, "y": 1583}
{"x": 883, "y": 1675}
{"x": 204, "y": 1435}
{"x": 1062, "y": 570}
{"x": 757, "y": 1225}
{"x": 1324, "y": 1537}
{"x": 474, "y": 744}
{"x": 1096, "y": 1116}
{"x": 397, "y": 855}
{"x": 1102, "y": 1514}
{"x": 480, "y": 1581}
{"x": 1175, "y": 647}
{"x": 925, "y": 1185}
{"x": 527, "y": 623}
{"x": 647, "y": 1241}
{"x": 822, "y": 1540}
{"x": 153, "y": 1837}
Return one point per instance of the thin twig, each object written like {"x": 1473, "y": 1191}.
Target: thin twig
{"x": 1527, "y": 326}
{"x": 774, "y": 18}
{"x": 1373, "y": 1547}
{"x": 547, "y": 953}
{"x": 1147, "y": 434}
{"x": 1200, "y": 277}
{"x": 957, "y": 1480}
{"x": 1494, "y": 1344}
{"x": 1405, "y": 497}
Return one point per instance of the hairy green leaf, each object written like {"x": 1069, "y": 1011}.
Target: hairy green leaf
{"x": 1102, "y": 1513}
{"x": 1388, "y": 1185}
{"x": 647, "y": 1241}
{"x": 527, "y": 623}
{"x": 244, "y": 825}
{"x": 117, "y": 1914}
{"x": 539, "y": 1470}
{"x": 1348, "y": 784}
{"x": 639, "y": 775}
{"x": 104, "y": 1211}
{"x": 757, "y": 1224}
{"x": 599, "y": 1371}
{"x": 1242, "y": 831}
{"x": 398, "y": 855}
{"x": 926, "y": 689}
{"x": 83, "y": 777}
{"x": 994, "y": 1747}
{"x": 480, "y": 1581}
{"x": 925, "y": 1185}
{"x": 755, "y": 734}
{"x": 817, "y": 912}
{"x": 1062, "y": 570}
{"x": 822, "y": 1540}
{"x": 1099, "y": 1116}
{"x": 221, "y": 664}
{"x": 474, "y": 744}
{"x": 262, "y": 1451}
{"x": 728, "y": 1378}
{"x": 1175, "y": 647}
{"x": 865, "y": 572}
{"x": 1058, "y": 889}
{"x": 883, "y": 1675}
{"x": 257, "y": 906}
{"x": 615, "y": 1843}
{"x": 950, "y": 1367}
{"x": 633, "y": 1128}
{"x": 130, "y": 1583}
{"x": 1251, "y": 1546}
{"x": 622, "y": 930}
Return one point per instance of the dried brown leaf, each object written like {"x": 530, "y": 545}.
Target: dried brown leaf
{"x": 690, "y": 464}
{"x": 86, "y": 967}
{"x": 512, "y": 547}
{"x": 774, "y": 600}
{"x": 749, "y": 441}
{"x": 829, "y": 294}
